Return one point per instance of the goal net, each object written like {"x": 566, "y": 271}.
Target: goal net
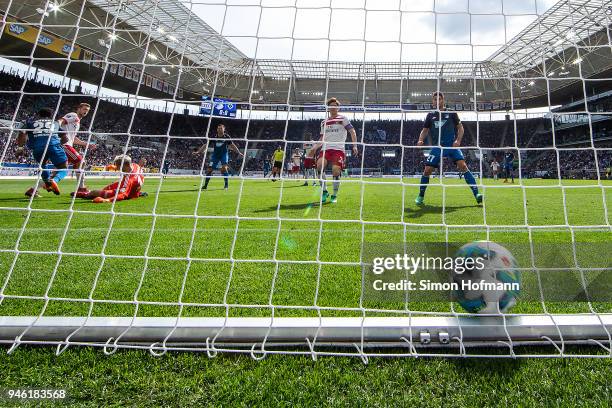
{"x": 253, "y": 213}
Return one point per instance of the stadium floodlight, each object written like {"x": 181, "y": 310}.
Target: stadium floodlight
{"x": 266, "y": 268}
{"x": 41, "y": 11}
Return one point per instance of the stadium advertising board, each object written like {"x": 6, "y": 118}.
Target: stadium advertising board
{"x": 45, "y": 40}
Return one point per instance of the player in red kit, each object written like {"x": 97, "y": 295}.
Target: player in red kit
{"x": 70, "y": 125}
{"x": 128, "y": 186}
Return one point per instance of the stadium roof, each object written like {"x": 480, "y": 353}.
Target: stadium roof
{"x": 567, "y": 43}
{"x": 174, "y": 25}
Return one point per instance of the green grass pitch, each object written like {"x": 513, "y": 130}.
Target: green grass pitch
{"x": 259, "y": 221}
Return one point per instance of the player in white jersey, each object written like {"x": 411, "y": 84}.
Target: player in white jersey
{"x": 70, "y": 124}
{"x": 308, "y": 162}
{"x": 495, "y": 168}
{"x": 296, "y": 162}
{"x": 334, "y": 131}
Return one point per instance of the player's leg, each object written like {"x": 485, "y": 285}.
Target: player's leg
{"x": 321, "y": 165}
{"x": 225, "y": 173}
{"x": 336, "y": 158}
{"x": 432, "y": 162}
{"x": 469, "y": 179}
{"x": 304, "y": 172}
{"x": 336, "y": 173}
{"x": 76, "y": 160}
{"x": 58, "y": 157}
{"x": 209, "y": 171}
{"x": 41, "y": 159}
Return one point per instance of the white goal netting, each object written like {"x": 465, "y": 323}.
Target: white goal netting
{"x": 222, "y": 238}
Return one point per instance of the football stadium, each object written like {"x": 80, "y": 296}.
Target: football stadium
{"x": 305, "y": 202}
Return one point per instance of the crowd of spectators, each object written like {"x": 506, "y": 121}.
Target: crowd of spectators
{"x": 170, "y": 139}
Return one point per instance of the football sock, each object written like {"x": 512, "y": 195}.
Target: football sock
{"x": 225, "y": 179}
{"x": 336, "y": 184}
{"x": 424, "y": 183}
{"x": 207, "y": 181}
{"x": 59, "y": 175}
{"x": 471, "y": 181}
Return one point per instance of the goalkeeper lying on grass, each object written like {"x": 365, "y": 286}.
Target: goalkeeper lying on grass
{"x": 126, "y": 188}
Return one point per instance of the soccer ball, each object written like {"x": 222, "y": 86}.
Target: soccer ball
{"x": 500, "y": 271}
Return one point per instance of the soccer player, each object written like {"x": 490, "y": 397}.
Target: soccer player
{"x": 334, "y": 131}
{"x": 220, "y": 155}
{"x": 509, "y": 166}
{"x": 267, "y": 166}
{"x": 309, "y": 164}
{"x": 277, "y": 159}
{"x": 40, "y": 134}
{"x": 296, "y": 162}
{"x": 495, "y": 168}
{"x": 128, "y": 187}
{"x": 165, "y": 168}
{"x": 447, "y": 132}
{"x": 70, "y": 124}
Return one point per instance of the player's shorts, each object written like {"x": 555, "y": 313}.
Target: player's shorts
{"x": 309, "y": 163}
{"x": 278, "y": 164}
{"x": 295, "y": 168}
{"x": 74, "y": 157}
{"x": 433, "y": 159}
{"x": 55, "y": 153}
{"x": 111, "y": 190}
{"x": 509, "y": 166}
{"x": 335, "y": 157}
{"x": 217, "y": 160}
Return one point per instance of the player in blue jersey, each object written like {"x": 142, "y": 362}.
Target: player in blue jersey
{"x": 40, "y": 134}
{"x": 509, "y": 166}
{"x": 447, "y": 131}
{"x": 267, "y": 166}
{"x": 220, "y": 155}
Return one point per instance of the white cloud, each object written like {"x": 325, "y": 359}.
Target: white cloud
{"x": 423, "y": 30}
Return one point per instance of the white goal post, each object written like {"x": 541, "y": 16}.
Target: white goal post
{"x": 163, "y": 58}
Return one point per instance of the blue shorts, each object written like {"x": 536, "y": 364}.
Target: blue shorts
{"x": 54, "y": 153}
{"x": 509, "y": 167}
{"x": 433, "y": 159}
{"x": 218, "y": 159}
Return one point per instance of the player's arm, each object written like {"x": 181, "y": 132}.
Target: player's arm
{"x": 460, "y": 130}
{"x": 425, "y": 130}
{"x": 317, "y": 145}
{"x": 235, "y": 148}
{"x": 353, "y": 134}
{"x": 79, "y": 142}
{"x": 61, "y": 122}
{"x": 200, "y": 150}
